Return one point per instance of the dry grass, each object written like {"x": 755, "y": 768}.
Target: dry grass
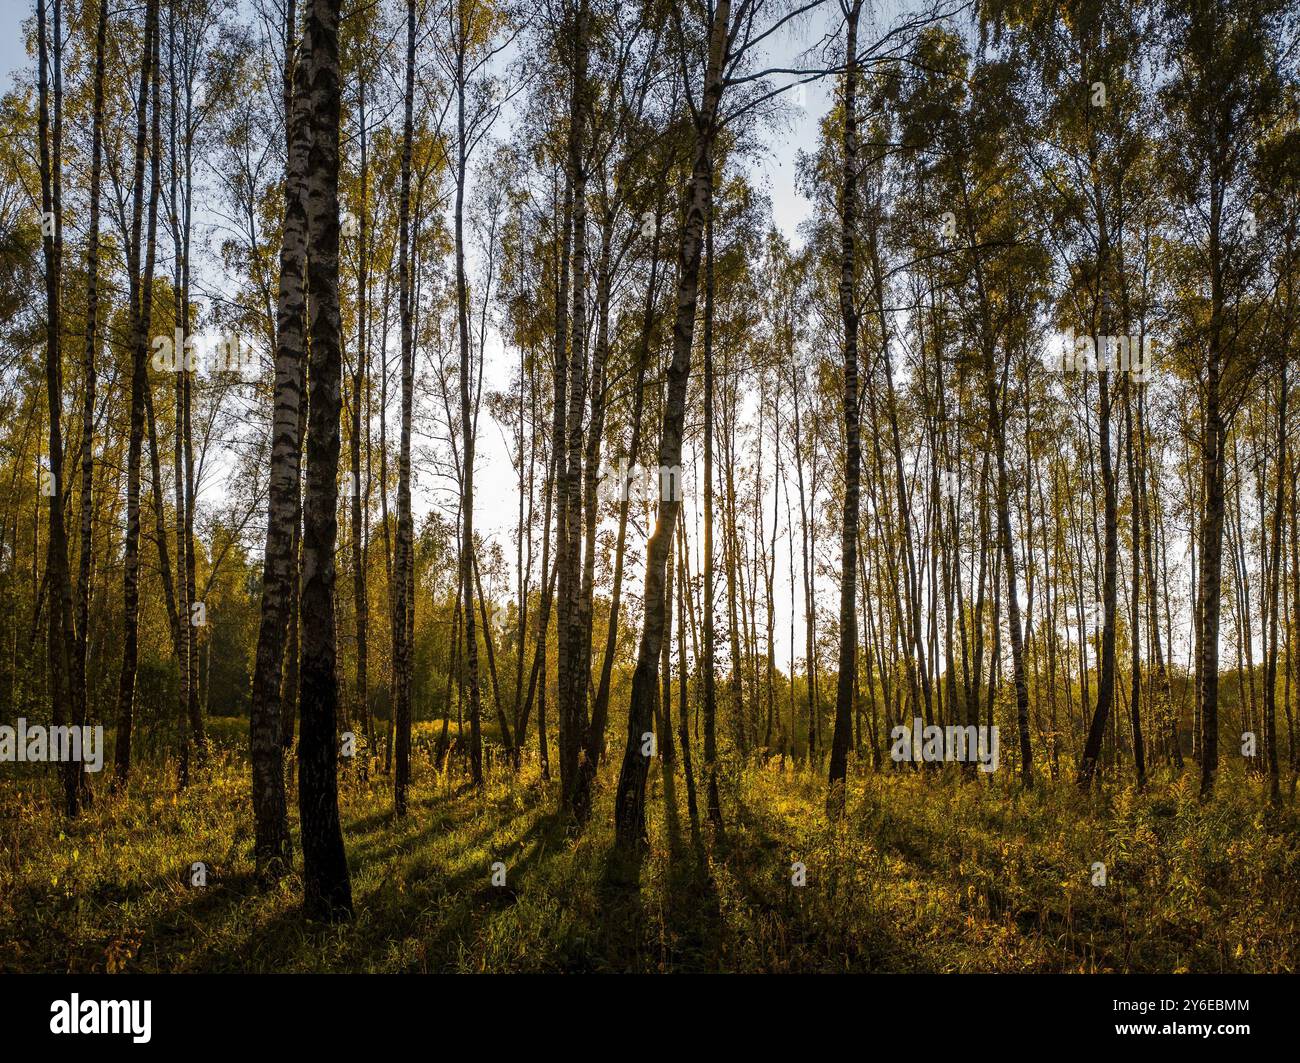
{"x": 926, "y": 873}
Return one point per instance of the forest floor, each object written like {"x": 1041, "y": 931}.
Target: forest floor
{"x": 927, "y": 872}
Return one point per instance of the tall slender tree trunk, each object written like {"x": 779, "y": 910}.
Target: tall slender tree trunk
{"x": 389, "y": 576}
{"x": 1106, "y": 673}
{"x": 629, "y": 807}
{"x": 86, "y": 554}
{"x": 141, "y": 296}
{"x": 600, "y": 708}
{"x": 1166, "y": 710}
{"x": 797, "y": 443}
{"x": 574, "y": 669}
{"x": 709, "y": 664}
{"x": 466, "y": 414}
{"x": 272, "y": 847}
{"x": 560, "y": 376}
{"x": 595, "y": 732}
{"x": 404, "y": 554}
{"x": 327, "y": 889}
{"x": 995, "y": 392}
{"x": 292, "y": 659}
{"x": 1274, "y": 574}
{"x": 180, "y": 322}
{"x": 683, "y": 719}
{"x": 842, "y": 736}
{"x": 360, "y": 595}
{"x": 62, "y": 646}
{"x": 1135, "y": 620}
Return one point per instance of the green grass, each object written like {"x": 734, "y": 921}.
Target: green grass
{"x": 926, "y": 873}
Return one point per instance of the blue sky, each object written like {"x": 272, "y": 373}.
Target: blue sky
{"x": 12, "y": 53}
{"x": 772, "y": 168}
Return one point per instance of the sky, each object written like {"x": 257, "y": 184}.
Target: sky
{"x": 13, "y": 56}
{"x": 772, "y": 168}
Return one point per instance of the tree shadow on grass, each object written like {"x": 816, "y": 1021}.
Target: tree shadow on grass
{"x": 621, "y": 940}
{"x": 181, "y": 917}
{"x": 656, "y": 918}
{"x": 812, "y": 927}
{"x": 424, "y": 799}
{"x": 463, "y": 903}
{"x": 398, "y": 908}
{"x": 438, "y": 816}
{"x": 693, "y": 916}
